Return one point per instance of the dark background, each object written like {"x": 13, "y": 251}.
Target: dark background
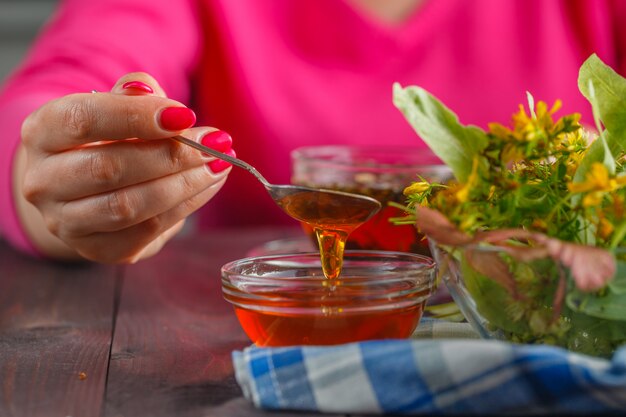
{"x": 20, "y": 20}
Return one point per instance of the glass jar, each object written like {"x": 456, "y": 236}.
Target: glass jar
{"x": 380, "y": 172}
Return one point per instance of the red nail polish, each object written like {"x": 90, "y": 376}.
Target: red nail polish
{"x": 218, "y": 140}
{"x": 177, "y": 118}
{"x": 218, "y": 165}
{"x": 137, "y": 87}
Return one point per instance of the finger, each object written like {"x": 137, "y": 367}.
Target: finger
{"x": 138, "y": 84}
{"x": 102, "y": 168}
{"x": 156, "y": 245}
{"x": 132, "y": 205}
{"x": 80, "y": 119}
{"x": 124, "y": 245}
{"x": 220, "y": 141}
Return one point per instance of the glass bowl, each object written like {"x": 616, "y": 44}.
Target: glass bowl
{"x": 284, "y": 300}
{"x": 477, "y": 277}
{"x": 381, "y": 172}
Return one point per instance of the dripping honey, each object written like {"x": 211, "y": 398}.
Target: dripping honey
{"x": 331, "y": 221}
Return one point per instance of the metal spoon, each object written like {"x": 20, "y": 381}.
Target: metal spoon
{"x": 320, "y": 208}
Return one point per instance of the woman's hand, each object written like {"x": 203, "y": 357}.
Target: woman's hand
{"x": 105, "y": 176}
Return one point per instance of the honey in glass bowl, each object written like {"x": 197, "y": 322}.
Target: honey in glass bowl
{"x": 285, "y": 300}
{"x": 379, "y": 172}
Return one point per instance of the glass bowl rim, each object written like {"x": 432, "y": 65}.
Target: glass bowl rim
{"x": 424, "y": 275}
{"x": 329, "y": 154}
{"x": 427, "y": 262}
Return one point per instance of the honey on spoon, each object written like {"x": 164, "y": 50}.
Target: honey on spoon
{"x": 333, "y": 215}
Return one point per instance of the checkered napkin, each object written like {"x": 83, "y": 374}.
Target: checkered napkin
{"x": 441, "y": 376}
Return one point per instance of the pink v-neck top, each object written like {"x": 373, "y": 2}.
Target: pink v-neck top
{"x": 279, "y": 74}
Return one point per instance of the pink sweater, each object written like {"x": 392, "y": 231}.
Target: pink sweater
{"x": 278, "y": 74}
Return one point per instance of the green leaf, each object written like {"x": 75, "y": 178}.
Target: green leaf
{"x": 608, "y": 159}
{"x": 593, "y": 336}
{"x": 596, "y": 153}
{"x": 447, "y": 311}
{"x": 609, "y": 305}
{"x": 492, "y": 300}
{"x": 455, "y": 144}
{"x": 610, "y": 90}
{"x": 606, "y": 95}
{"x": 618, "y": 283}
{"x": 531, "y": 202}
{"x": 618, "y": 236}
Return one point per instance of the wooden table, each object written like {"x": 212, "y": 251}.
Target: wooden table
{"x": 151, "y": 339}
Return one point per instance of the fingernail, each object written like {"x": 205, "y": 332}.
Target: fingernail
{"x": 137, "y": 87}
{"x": 177, "y": 118}
{"x": 218, "y": 140}
{"x": 218, "y": 165}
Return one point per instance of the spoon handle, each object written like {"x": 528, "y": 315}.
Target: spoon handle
{"x": 224, "y": 157}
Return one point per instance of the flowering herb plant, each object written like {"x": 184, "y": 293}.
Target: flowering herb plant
{"x": 544, "y": 188}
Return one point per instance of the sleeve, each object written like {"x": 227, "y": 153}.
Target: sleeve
{"x": 88, "y": 45}
{"x": 618, "y": 14}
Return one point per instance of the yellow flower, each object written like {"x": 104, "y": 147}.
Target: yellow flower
{"x": 416, "y": 187}
{"x": 597, "y": 179}
{"x": 463, "y": 194}
{"x": 605, "y": 228}
{"x": 499, "y": 130}
{"x": 468, "y": 223}
{"x": 576, "y": 141}
{"x": 540, "y": 224}
{"x": 511, "y": 154}
{"x": 618, "y": 206}
{"x": 544, "y": 116}
{"x": 597, "y": 183}
{"x": 573, "y": 161}
{"x": 567, "y": 124}
{"x": 521, "y": 121}
{"x": 593, "y": 199}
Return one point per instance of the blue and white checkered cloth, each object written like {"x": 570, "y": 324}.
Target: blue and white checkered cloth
{"x": 444, "y": 376}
